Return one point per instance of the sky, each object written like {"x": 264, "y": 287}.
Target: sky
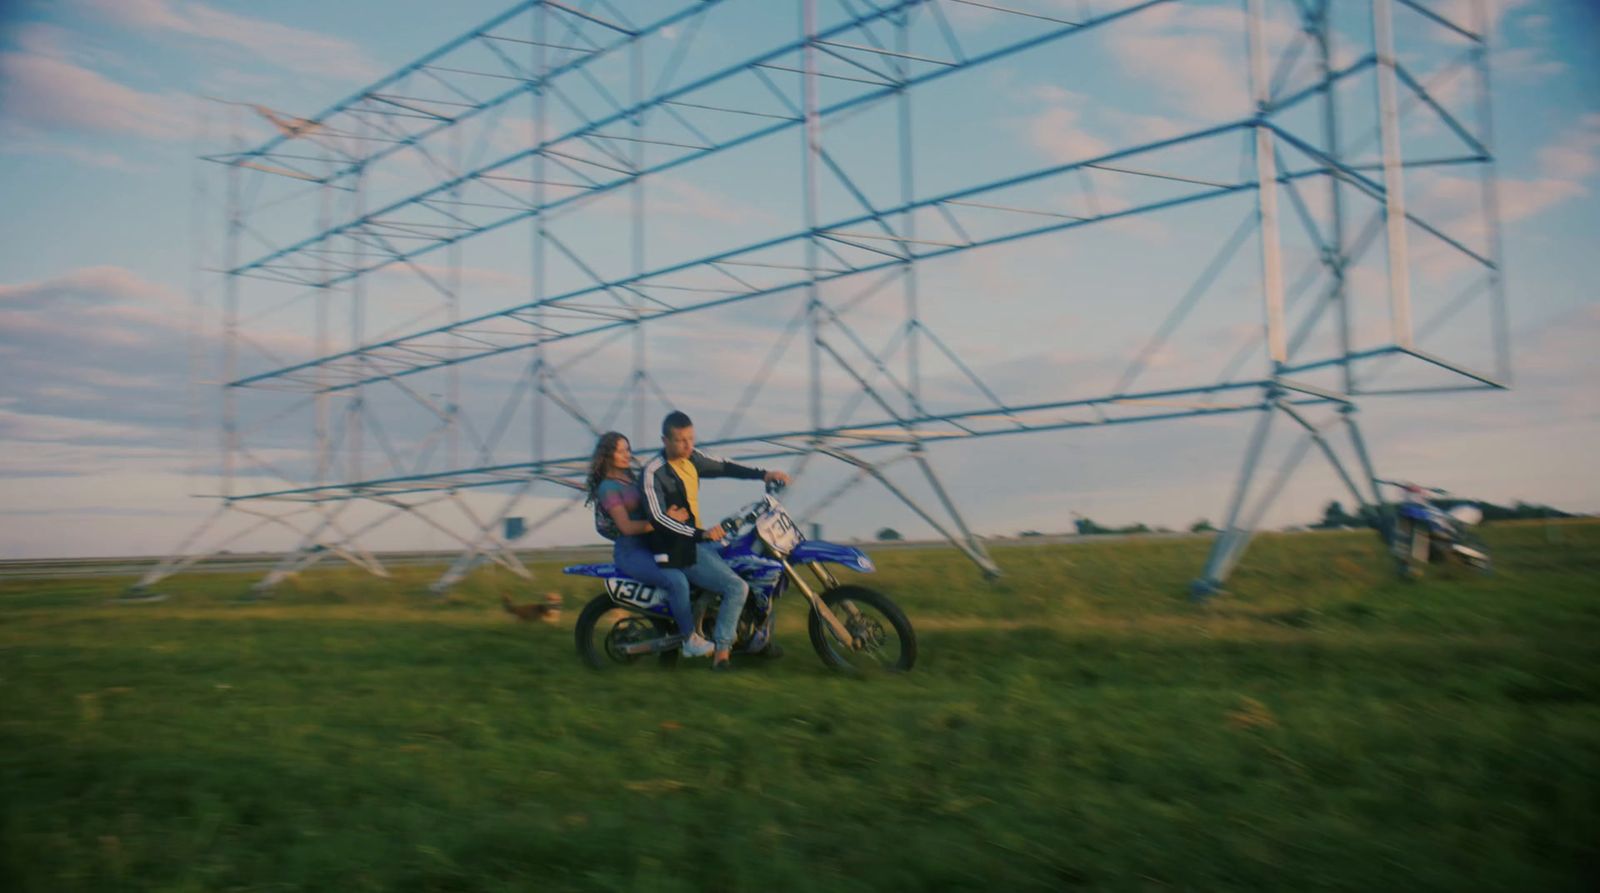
{"x": 110, "y": 351}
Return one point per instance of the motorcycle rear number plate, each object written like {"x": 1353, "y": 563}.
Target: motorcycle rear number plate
{"x": 633, "y": 592}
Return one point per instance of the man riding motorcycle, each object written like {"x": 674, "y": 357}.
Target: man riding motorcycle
{"x": 671, "y": 483}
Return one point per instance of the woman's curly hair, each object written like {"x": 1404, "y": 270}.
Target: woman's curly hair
{"x": 600, "y": 462}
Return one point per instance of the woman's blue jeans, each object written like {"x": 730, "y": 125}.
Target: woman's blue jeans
{"x": 633, "y": 557}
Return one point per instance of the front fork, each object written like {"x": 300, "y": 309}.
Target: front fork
{"x": 1410, "y": 545}
{"x": 827, "y": 582}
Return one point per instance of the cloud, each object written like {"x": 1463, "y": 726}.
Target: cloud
{"x": 674, "y": 195}
{"x": 50, "y": 93}
{"x": 1536, "y": 23}
{"x": 1195, "y": 54}
{"x": 1576, "y": 155}
{"x": 1527, "y": 64}
{"x": 27, "y": 144}
{"x": 1457, "y": 199}
{"x": 1557, "y": 387}
{"x": 471, "y": 277}
{"x": 296, "y": 49}
{"x": 1145, "y": 128}
{"x": 1522, "y": 199}
{"x": 1465, "y": 14}
{"x": 17, "y": 427}
{"x": 97, "y": 368}
{"x": 670, "y": 196}
{"x": 89, "y": 286}
{"x": 1058, "y": 132}
{"x": 1197, "y": 68}
{"x": 1053, "y": 94}
{"x": 1565, "y": 167}
{"x": 1454, "y": 85}
{"x": 52, "y": 85}
{"x": 1561, "y": 352}
{"x": 97, "y": 345}
{"x": 104, "y": 346}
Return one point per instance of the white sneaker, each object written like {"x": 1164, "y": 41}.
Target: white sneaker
{"x": 698, "y": 646}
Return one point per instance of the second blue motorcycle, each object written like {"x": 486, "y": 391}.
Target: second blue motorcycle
{"x": 1425, "y": 534}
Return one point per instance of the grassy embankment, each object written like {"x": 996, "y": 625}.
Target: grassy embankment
{"x": 1077, "y": 724}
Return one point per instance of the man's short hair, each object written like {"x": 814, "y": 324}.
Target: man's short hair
{"x": 676, "y": 420}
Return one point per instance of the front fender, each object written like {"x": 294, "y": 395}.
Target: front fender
{"x": 812, "y": 551}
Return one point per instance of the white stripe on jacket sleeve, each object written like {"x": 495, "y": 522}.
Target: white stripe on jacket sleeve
{"x": 656, "y": 514}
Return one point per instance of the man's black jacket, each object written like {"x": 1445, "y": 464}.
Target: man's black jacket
{"x": 673, "y": 542}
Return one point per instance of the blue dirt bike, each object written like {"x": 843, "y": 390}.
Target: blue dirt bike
{"x": 1424, "y": 533}
{"x": 852, "y": 628}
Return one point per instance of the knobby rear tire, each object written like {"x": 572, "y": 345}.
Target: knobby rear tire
{"x": 594, "y": 653}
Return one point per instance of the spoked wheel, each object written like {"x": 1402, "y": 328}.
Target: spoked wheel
{"x": 604, "y": 631}
{"x": 881, "y": 638}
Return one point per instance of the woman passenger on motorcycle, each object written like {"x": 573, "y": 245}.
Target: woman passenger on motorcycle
{"x": 620, "y": 516}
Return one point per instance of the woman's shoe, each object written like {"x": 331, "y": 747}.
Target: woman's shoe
{"x": 698, "y": 646}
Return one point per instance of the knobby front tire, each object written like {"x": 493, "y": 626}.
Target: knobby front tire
{"x": 890, "y": 644}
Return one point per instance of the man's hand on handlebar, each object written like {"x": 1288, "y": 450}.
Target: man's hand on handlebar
{"x": 782, "y": 477}
{"x": 716, "y": 533}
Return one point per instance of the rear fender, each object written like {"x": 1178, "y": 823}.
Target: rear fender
{"x": 593, "y": 570}
{"x": 623, "y": 589}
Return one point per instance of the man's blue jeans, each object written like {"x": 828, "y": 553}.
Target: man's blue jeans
{"x": 711, "y": 573}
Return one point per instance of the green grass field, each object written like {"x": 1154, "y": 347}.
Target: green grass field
{"x": 1077, "y": 725}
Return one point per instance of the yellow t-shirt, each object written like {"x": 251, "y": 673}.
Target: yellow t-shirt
{"x": 691, "y": 486}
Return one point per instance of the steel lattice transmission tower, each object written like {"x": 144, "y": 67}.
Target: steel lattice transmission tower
{"x": 373, "y": 371}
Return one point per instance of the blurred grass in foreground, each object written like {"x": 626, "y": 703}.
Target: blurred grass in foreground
{"x": 1077, "y": 724}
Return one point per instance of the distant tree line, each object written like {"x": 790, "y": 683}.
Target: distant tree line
{"x": 1335, "y": 516}
{"x": 1088, "y": 527}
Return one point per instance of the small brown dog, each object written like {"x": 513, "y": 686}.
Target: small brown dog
{"x": 549, "y": 612}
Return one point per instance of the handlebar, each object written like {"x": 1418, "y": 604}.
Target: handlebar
{"x": 747, "y": 514}
{"x": 741, "y": 517}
